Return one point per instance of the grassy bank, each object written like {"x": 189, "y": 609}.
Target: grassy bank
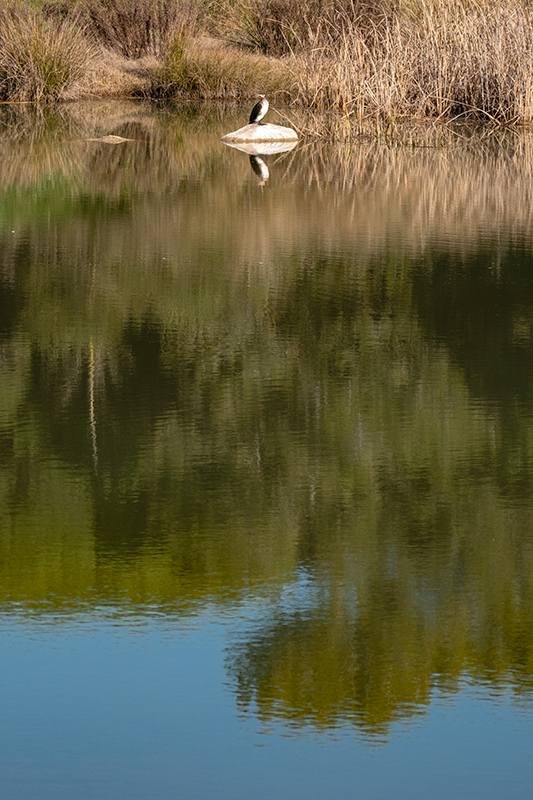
{"x": 382, "y": 60}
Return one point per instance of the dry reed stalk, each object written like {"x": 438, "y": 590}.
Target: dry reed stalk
{"x": 459, "y": 58}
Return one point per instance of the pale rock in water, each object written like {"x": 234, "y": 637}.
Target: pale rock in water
{"x": 261, "y": 132}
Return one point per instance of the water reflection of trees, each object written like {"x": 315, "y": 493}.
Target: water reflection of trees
{"x": 331, "y": 399}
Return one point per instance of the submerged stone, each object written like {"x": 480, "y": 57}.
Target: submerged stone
{"x": 110, "y": 139}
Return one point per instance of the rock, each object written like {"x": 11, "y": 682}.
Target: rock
{"x": 261, "y": 132}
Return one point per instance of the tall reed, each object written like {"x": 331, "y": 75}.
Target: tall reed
{"x": 429, "y": 58}
{"x": 282, "y": 27}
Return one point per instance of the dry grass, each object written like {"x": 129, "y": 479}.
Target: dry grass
{"x": 379, "y": 60}
{"x": 39, "y": 57}
{"x": 113, "y": 76}
{"x": 193, "y": 70}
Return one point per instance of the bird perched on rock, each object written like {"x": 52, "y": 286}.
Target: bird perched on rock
{"x": 259, "y": 110}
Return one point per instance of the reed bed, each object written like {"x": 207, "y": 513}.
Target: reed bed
{"x": 282, "y": 27}
{"x": 378, "y": 60}
{"x": 458, "y": 58}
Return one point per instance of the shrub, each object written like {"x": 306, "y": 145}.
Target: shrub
{"x": 135, "y": 28}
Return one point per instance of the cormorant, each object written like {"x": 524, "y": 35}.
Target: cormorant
{"x": 259, "y": 110}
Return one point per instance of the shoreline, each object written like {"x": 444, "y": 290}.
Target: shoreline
{"x": 441, "y": 62}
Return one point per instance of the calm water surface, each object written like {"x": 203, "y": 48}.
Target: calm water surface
{"x": 266, "y": 462}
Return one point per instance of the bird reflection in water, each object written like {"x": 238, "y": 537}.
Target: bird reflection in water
{"x": 260, "y": 169}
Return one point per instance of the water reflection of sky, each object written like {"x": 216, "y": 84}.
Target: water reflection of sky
{"x": 116, "y": 712}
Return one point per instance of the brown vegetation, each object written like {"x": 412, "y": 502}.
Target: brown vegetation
{"x": 378, "y": 60}
{"x": 192, "y": 69}
{"x": 285, "y": 27}
{"x": 429, "y": 58}
{"x": 383, "y": 59}
{"x": 143, "y": 27}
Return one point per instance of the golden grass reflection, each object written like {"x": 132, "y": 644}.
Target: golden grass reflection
{"x": 456, "y": 193}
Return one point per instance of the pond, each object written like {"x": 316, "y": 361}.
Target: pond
{"x": 266, "y": 461}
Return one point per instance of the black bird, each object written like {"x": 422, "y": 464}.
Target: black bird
{"x": 259, "y": 110}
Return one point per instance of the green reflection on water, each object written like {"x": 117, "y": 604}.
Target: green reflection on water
{"x": 207, "y": 386}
